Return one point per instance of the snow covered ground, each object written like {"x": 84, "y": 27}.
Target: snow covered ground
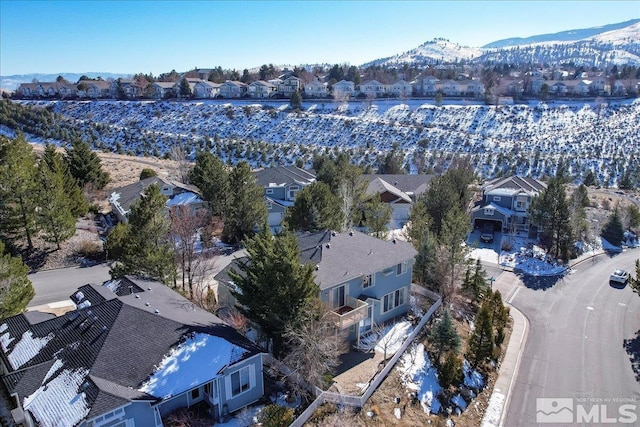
{"x": 527, "y": 139}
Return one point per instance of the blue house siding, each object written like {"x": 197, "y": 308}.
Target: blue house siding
{"x": 232, "y": 403}
{"x": 140, "y": 413}
{"x": 275, "y": 192}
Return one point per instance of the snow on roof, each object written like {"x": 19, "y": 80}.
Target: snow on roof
{"x": 190, "y": 364}
{"x": 58, "y": 403}
{"x": 26, "y": 349}
{"x": 186, "y": 198}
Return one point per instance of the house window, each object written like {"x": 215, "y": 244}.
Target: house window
{"x": 401, "y": 268}
{"x": 269, "y": 191}
{"x": 240, "y": 381}
{"x": 496, "y": 198}
{"x": 195, "y": 393}
{"x": 269, "y": 206}
{"x": 108, "y": 417}
{"x": 367, "y": 281}
{"x": 488, "y": 212}
{"x": 393, "y": 300}
{"x": 293, "y": 190}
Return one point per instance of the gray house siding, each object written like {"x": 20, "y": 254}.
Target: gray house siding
{"x": 140, "y": 413}
{"x": 275, "y": 192}
{"x": 232, "y": 403}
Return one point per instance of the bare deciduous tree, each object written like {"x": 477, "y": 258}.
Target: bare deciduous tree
{"x": 183, "y": 167}
{"x": 315, "y": 347}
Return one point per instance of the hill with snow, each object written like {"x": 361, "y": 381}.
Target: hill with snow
{"x": 500, "y": 140}
{"x": 436, "y": 51}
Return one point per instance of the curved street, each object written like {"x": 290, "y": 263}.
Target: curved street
{"x": 583, "y": 344}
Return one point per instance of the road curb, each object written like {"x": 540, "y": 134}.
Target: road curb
{"x": 500, "y": 398}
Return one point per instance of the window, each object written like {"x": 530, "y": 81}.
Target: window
{"x": 367, "y": 281}
{"x": 293, "y": 189}
{"x": 496, "y": 198}
{"x": 240, "y": 381}
{"x": 401, "y": 268}
{"x": 108, "y": 417}
{"x": 195, "y": 393}
{"x": 269, "y": 190}
{"x": 393, "y": 300}
{"x": 488, "y": 212}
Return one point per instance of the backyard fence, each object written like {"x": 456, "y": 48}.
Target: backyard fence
{"x": 359, "y": 401}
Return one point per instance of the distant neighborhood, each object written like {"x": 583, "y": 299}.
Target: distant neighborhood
{"x": 453, "y": 82}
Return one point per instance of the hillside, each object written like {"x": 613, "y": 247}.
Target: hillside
{"x": 523, "y": 139}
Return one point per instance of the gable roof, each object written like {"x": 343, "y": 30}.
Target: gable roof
{"x": 409, "y": 184}
{"x": 513, "y": 185}
{"x": 283, "y": 175}
{"x": 125, "y": 196}
{"x": 99, "y": 357}
{"x": 379, "y": 186}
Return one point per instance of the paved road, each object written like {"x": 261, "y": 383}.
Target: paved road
{"x": 58, "y": 285}
{"x": 579, "y": 326}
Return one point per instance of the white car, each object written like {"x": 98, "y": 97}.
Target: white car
{"x": 619, "y": 276}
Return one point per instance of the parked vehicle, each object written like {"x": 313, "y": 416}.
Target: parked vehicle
{"x": 486, "y": 235}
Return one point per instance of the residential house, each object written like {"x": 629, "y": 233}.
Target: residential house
{"x": 191, "y": 81}
{"x": 505, "y": 204}
{"x": 535, "y": 85}
{"x": 364, "y": 280}
{"x": 130, "y": 88}
{"x": 281, "y": 184}
{"x": 178, "y": 193}
{"x": 316, "y": 89}
{"x": 288, "y": 86}
{"x": 343, "y": 90}
{"x": 600, "y": 86}
{"x": 261, "y": 89}
{"x": 473, "y": 88}
{"x": 400, "y": 89}
{"x": 97, "y": 89}
{"x": 558, "y": 88}
{"x": 451, "y": 88}
{"x": 132, "y": 352}
{"x": 400, "y": 191}
{"x": 162, "y": 90}
{"x": 426, "y": 86}
{"x": 373, "y": 89}
{"x": 233, "y": 89}
{"x": 27, "y": 90}
{"x": 206, "y": 89}
{"x": 578, "y": 87}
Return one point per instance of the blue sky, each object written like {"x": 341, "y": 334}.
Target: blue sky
{"x": 158, "y": 36}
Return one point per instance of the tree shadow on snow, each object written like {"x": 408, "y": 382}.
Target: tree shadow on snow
{"x": 632, "y": 347}
{"x": 540, "y": 283}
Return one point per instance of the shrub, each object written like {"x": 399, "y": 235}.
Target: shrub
{"x": 275, "y": 416}
{"x": 147, "y": 173}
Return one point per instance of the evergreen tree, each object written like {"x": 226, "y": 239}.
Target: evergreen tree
{"x": 550, "y": 211}
{"x": 273, "y": 285}
{"x": 424, "y": 268}
{"x": 590, "y": 179}
{"x": 613, "y": 232}
{"x": 633, "y": 213}
{"x": 452, "y": 253}
{"x": 295, "y": 100}
{"x": 245, "y": 209}
{"x": 499, "y": 317}
{"x": 54, "y": 209}
{"x": 18, "y": 189}
{"x": 480, "y": 344}
{"x": 85, "y": 165}
{"x": 376, "y": 216}
{"x": 15, "y": 287}
{"x": 73, "y": 192}
{"x": 392, "y": 163}
{"x": 210, "y": 175}
{"x": 450, "y": 373}
{"x": 444, "y": 337}
{"x": 145, "y": 250}
{"x": 185, "y": 89}
{"x": 315, "y": 209}
{"x": 147, "y": 173}
{"x": 475, "y": 281}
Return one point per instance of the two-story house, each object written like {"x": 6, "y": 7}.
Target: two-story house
{"x": 401, "y": 88}
{"x": 131, "y": 353}
{"x": 261, "y": 89}
{"x": 288, "y": 86}
{"x": 343, "y": 89}
{"x": 177, "y": 193}
{"x": 364, "y": 280}
{"x": 372, "y": 89}
{"x": 206, "y": 89}
{"x": 426, "y": 86}
{"x": 316, "y": 89}
{"x": 281, "y": 184}
{"x": 233, "y": 89}
{"x": 505, "y": 204}
{"x": 162, "y": 90}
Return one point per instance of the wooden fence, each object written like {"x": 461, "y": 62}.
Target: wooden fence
{"x": 359, "y": 401}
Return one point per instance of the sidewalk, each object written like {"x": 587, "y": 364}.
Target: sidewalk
{"x": 499, "y": 403}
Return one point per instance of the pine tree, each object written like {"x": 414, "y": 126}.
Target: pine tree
{"x": 15, "y": 287}
{"x": 450, "y": 373}
{"x": 18, "y": 185}
{"x": 499, "y": 317}
{"x": 295, "y": 101}
{"x": 85, "y": 165}
{"x": 376, "y": 216}
{"x": 550, "y": 211}
{"x": 73, "y": 192}
{"x": 480, "y": 344}
{"x": 210, "y": 175}
{"x": 590, "y": 179}
{"x": 315, "y": 209}
{"x": 185, "y": 89}
{"x": 613, "y": 232}
{"x": 452, "y": 254}
{"x": 475, "y": 281}
{"x": 444, "y": 336}
{"x": 54, "y": 209}
{"x": 273, "y": 285}
{"x": 245, "y": 209}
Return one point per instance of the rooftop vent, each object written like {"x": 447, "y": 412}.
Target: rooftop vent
{"x": 137, "y": 296}
{"x": 350, "y": 232}
{"x": 156, "y": 311}
{"x": 147, "y": 304}
{"x": 394, "y": 241}
{"x": 328, "y": 245}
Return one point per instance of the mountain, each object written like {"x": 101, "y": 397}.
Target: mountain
{"x": 435, "y": 51}
{"x": 599, "y": 46}
{"x": 13, "y": 81}
{"x": 563, "y": 36}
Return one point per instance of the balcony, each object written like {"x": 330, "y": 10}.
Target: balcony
{"x": 349, "y": 314}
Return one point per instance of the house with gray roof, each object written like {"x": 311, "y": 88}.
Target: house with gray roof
{"x": 364, "y": 280}
{"x": 281, "y": 184}
{"x": 178, "y": 193}
{"x": 400, "y": 191}
{"x": 131, "y": 353}
{"x": 505, "y": 204}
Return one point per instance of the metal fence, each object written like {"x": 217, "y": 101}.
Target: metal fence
{"x": 359, "y": 401}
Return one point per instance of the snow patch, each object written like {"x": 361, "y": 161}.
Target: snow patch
{"x": 27, "y": 348}
{"x": 494, "y": 410}
{"x": 419, "y": 375}
{"x": 472, "y": 378}
{"x": 190, "y": 364}
{"x": 393, "y": 338}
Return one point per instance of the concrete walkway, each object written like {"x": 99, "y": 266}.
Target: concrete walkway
{"x": 499, "y": 402}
